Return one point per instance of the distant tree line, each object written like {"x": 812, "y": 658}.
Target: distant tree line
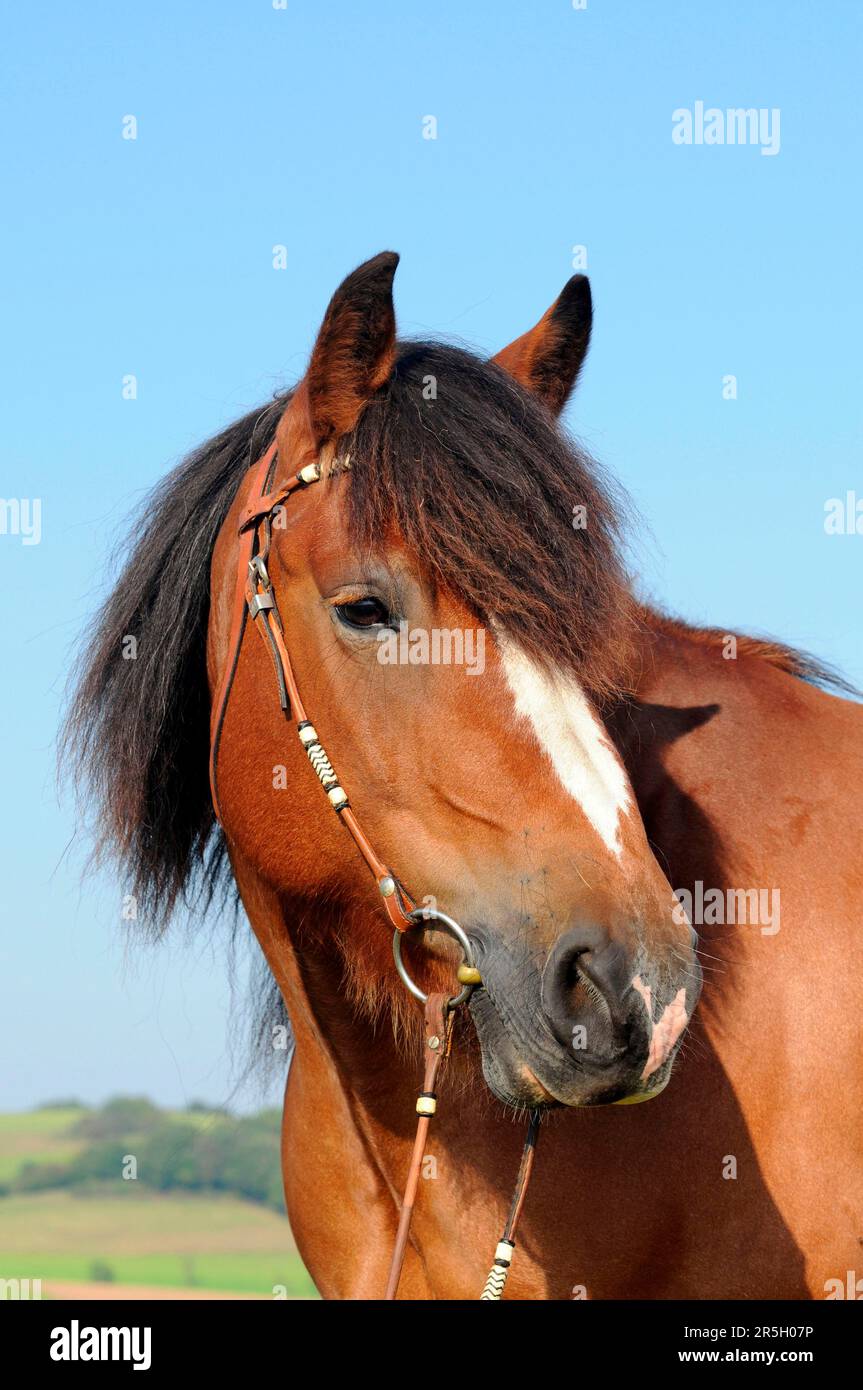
{"x": 215, "y": 1151}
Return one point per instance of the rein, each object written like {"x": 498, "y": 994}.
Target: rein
{"x": 254, "y": 597}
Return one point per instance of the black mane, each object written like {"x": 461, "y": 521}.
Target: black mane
{"x": 137, "y": 732}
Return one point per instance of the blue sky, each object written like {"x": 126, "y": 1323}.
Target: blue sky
{"x": 304, "y": 127}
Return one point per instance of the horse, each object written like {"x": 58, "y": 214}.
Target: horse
{"x": 573, "y": 805}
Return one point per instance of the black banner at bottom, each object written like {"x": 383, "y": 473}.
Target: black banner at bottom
{"x": 79, "y": 1338}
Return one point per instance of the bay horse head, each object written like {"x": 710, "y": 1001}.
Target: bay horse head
{"x": 459, "y": 621}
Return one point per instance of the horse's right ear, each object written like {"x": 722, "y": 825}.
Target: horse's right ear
{"x": 548, "y": 358}
{"x": 352, "y": 357}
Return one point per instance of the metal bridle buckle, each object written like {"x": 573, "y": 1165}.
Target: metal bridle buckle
{"x": 258, "y": 571}
{"x": 425, "y": 917}
{"x": 261, "y": 599}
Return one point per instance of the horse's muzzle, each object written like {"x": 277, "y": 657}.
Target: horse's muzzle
{"x": 588, "y": 1025}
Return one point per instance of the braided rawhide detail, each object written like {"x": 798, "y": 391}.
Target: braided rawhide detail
{"x": 494, "y": 1284}
{"x": 324, "y": 771}
{"x": 322, "y": 765}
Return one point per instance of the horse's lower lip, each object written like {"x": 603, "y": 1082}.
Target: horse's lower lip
{"x": 544, "y": 1094}
{"x": 643, "y": 1095}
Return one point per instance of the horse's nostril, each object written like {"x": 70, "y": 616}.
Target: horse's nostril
{"x": 582, "y": 984}
{"x": 572, "y": 974}
{"x": 577, "y": 988}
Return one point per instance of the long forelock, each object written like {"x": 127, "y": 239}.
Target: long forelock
{"x": 500, "y": 506}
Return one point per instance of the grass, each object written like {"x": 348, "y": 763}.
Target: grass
{"x": 210, "y": 1242}
{"x": 167, "y": 1239}
{"x": 228, "y": 1273}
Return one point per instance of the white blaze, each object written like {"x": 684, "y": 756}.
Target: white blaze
{"x": 573, "y": 739}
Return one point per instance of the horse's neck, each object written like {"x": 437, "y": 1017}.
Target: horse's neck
{"x": 680, "y": 740}
{"x": 334, "y": 1037}
{"x": 707, "y": 743}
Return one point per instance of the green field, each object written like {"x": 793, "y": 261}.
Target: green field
{"x": 129, "y": 1234}
{"x": 36, "y": 1136}
{"x": 150, "y": 1238}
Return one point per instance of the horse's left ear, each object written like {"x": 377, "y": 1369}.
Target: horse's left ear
{"x": 548, "y": 358}
{"x": 353, "y": 356}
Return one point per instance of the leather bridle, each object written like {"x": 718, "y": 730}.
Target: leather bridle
{"x": 254, "y": 597}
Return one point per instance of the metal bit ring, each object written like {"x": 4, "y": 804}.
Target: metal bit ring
{"x": 430, "y": 917}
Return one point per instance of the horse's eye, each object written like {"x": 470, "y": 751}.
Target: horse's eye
{"x": 365, "y": 612}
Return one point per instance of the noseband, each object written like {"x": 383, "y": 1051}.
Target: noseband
{"x": 254, "y": 597}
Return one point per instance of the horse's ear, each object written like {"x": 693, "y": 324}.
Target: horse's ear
{"x": 547, "y": 359}
{"x": 353, "y": 355}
